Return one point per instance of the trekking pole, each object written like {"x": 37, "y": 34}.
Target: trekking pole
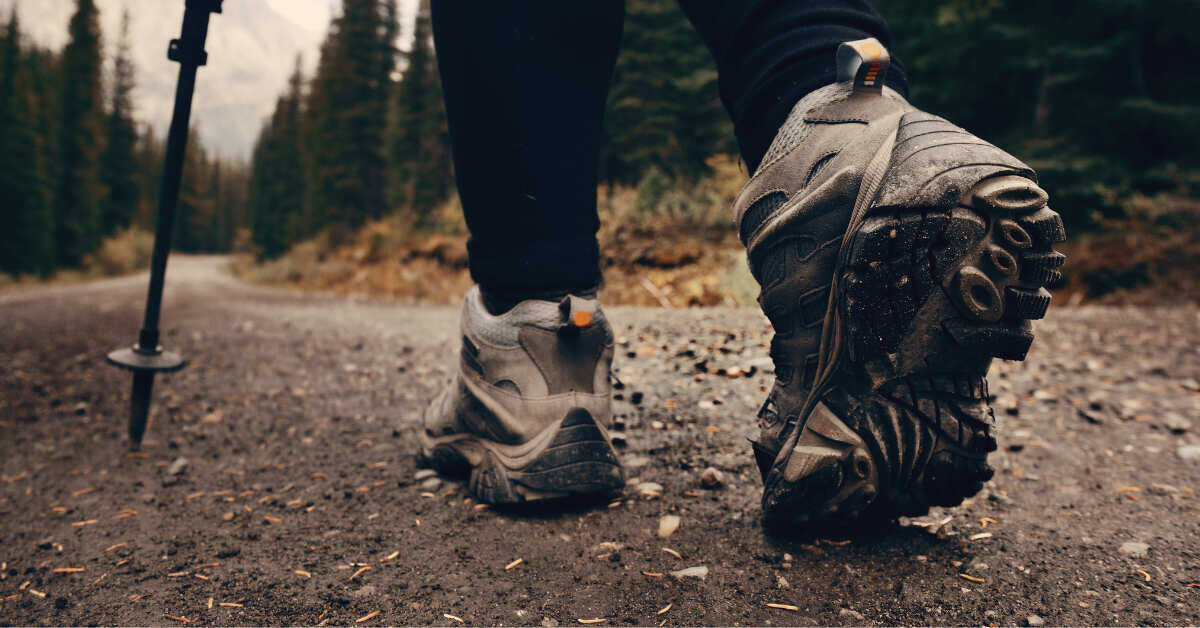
{"x": 147, "y": 357}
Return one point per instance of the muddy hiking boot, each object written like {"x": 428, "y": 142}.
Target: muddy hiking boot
{"x": 525, "y": 415}
{"x": 898, "y": 255}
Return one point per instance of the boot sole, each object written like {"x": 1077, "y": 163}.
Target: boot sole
{"x": 928, "y": 297}
{"x": 570, "y": 458}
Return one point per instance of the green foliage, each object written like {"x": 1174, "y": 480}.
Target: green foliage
{"x": 663, "y": 110}
{"x": 27, "y": 219}
{"x": 77, "y": 175}
{"x": 347, "y": 116}
{"x": 80, "y": 135}
{"x": 419, "y": 173}
{"x": 118, "y": 166}
{"x": 1092, "y": 93}
{"x": 277, "y": 176}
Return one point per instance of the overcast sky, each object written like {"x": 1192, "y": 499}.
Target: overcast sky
{"x": 252, "y": 49}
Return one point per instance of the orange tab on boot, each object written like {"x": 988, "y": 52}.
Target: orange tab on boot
{"x": 581, "y": 318}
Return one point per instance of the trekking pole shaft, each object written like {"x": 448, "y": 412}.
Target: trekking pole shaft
{"x": 195, "y": 31}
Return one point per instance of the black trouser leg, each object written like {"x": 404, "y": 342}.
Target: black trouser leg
{"x": 525, "y": 84}
{"x": 770, "y": 53}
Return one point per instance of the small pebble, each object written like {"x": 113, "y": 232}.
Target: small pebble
{"x": 649, "y": 490}
{"x": 178, "y": 467}
{"x": 1135, "y": 549}
{"x": 1188, "y": 452}
{"x": 1034, "y": 620}
{"x": 852, "y": 615}
{"x": 700, "y": 572}
{"x": 668, "y": 525}
{"x": 712, "y": 478}
{"x": 424, "y": 474}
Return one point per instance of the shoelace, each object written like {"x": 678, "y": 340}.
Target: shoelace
{"x": 830, "y": 350}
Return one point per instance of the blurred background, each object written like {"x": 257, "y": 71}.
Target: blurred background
{"x": 319, "y": 155}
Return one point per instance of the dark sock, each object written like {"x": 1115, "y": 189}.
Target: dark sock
{"x": 499, "y": 302}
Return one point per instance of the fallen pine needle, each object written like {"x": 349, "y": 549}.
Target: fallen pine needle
{"x": 201, "y": 576}
{"x": 1144, "y": 574}
{"x": 480, "y": 506}
{"x": 667, "y": 550}
{"x": 1126, "y": 489}
{"x": 391, "y": 556}
{"x": 270, "y": 519}
{"x": 983, "y": 523}
{"x": 371, "y": 615}
{"x": 591, "y": 621}
{"x": 360, "y": 572}
{"x": 102, "y": 576}
{"x": 428, "y": 494}
{"x": 212, "y": 564}
{"x": 230, "y": 605}
{"x": 971, "y": 578}
{"x": 182, "y": 620}
{"x": 68, "y": 570}
{"x": 85, "y": 523}
{"x": 514, "y": 564}
{"x": 651, "y": 574}
{"x": 177, "y": 574}
{"x": 786, "y": 607}
{"x": 37, "y": 593}
{"x": 210, "y": 602}
{"x": 614, "y": 504}
{"x": 83, "y": 491}
{"x": 664, "y": 609}
{"x": 123, "y": 561}
{"x": 836, "y": 543}
{"x": 113, "y": 547}
{"x": 981, "y": 535}
{"x": 301, "y": 572}
{"x": 454, "y": 617}
{"x": 195, "y": 496}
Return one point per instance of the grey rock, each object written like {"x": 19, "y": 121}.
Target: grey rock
{"x": 668, "y": 525}
{"x": 548, "y": 622}
{"x": 712, "y": 478}
{"x": 649, "y": 490}
{"x": 700, "y": 572}
{"x": 424, "y": 474}
{"x": 1135, "y": 549}
{"x": 851, "y": 615}
{"x": 635, "y": 461}
{"x": 431, "y": 484}
{"x": 1177, "y": 424}
{"x": 179, "y": 467}
{"x": 1162, "y": 489}
{"x": 1188, "y": 452}
{"x": 1034, "y": 620}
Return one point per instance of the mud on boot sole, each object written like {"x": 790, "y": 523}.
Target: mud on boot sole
{"x": 930, "y": 297}
{"x": 578, "y": 460}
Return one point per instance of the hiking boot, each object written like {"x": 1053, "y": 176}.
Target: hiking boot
{"x": 898, "y": 255}
{"x": 526, "y": 413}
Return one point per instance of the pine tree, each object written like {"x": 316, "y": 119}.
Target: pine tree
{"x": 420, "y": 173}
{"x": 26, "y": 222}
{"x": 277, "y": 178}
{"x": 78, "y": 193}
{"x": 347, "y": 118}
{"x": 663, "y": 108}
{"x": 118, "y": 167}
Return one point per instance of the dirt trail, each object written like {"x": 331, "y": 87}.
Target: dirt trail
{"x": 300, "y": 502}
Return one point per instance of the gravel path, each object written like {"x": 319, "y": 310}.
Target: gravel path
{"x": 278, "y": 483}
